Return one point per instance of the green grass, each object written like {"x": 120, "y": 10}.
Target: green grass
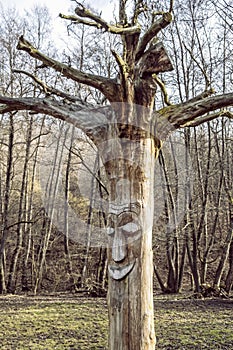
{"x": 82, "y": 323}
{"x": 195, "y": 324}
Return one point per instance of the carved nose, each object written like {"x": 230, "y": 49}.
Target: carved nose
{"x": 119, "y": 249}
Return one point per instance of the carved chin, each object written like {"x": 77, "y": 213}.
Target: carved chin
{"x": 118, "y": 273}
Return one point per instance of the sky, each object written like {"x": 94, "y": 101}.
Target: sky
{"x": 58, "y": 6}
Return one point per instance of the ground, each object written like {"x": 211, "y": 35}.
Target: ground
{"x": 71, "y": 322}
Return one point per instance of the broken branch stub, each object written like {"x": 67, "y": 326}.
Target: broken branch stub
{"x": 156, "y": 60}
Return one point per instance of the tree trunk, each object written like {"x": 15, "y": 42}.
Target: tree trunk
{"x": 11, "y": 285}
{"x": 50, "y": 195}
{"x": 160, "y": 281}
{"x": 223, "y": 258}
{"x": 27, "y": 265}
{"x": 69, "y": 264}
{"x": 5, "y": 219}
{"x": 89, "y": 229}
{"x": 101, "y": 272}
{"x": 229, "y": 278}
{"x": 192, "y": 250}
{"x": 129, "y": 165}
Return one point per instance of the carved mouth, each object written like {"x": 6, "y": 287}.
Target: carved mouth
{"x": 118, "y": 273}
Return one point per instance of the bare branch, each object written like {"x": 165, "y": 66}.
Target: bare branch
{"x": 122, "y": 12}
{"x": 77, "y": 20}
{"x": 44, "y": 87}
{"x": 92, "y": 121}
{"x": 160, "y": 24}
{"x": 98, "y": 179}
{"x": 207, "y": 79}
{"x": 171, "y": 6}
{"x": 48, "y": 89}
{"x": 203, "y": 95}
{"x": 194, "y": 111}
{"x": 163, "y": 89}
{"x": 83, "y": 12}
{"x": 140, "y": 7}
{"x": 105, "y": 85}
{"x": 121, "y": 63}
{"x": 209, "y": 117}
{"x": 100, "y": 23}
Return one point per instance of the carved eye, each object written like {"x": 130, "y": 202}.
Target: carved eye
{"x": 131, "y": 227}
{"x": 110, "y": 231}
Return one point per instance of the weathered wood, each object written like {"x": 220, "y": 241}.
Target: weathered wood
{"x": 128, "y": 155}
{"x": 156, "y": 60}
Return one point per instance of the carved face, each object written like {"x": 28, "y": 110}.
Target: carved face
{"x": 124, "y": 232}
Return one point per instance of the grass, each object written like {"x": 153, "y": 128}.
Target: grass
{"x": 81, "y": 323}
{"x": 195, "y": 324}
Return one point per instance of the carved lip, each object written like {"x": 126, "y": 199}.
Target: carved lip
{"x": 119, "y": 272}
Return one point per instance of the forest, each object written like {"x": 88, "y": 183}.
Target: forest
{"x": 46, "y": 163}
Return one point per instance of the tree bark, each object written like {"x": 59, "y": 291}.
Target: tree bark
{"x": 130, "y": 293}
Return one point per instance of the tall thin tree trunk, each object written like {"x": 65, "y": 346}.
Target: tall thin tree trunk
{"x": 69, "y": 264}
{"x": 28, "y": 243}
{"x": 224, "y": 257}
{"x": 11, "y": 285}
{"x": 229, "y": 278}
{"x": 52, "y": 187}
{"x": 192, "y": 251}
{"x": 202, "y": 227}
{"x": 5, "y": 221}
{"x": 89, "y": 226}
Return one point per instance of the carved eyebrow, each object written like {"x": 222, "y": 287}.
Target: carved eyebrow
{"x": 125, "y": 218}
{"x": 135, "y": 207}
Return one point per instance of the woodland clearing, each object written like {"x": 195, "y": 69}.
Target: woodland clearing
{"x": 81, "y": 323}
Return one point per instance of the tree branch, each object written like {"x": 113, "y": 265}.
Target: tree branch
{"x": 77, "y": 20}
{"x": 171, "y": 5}
{"x": 100, "y": 23}
{"x": 121, "y": 64}
{"x": 194, "y": 111}
{"x": 160, "y": 24}
{"x": 122, "y": 12}
{"x": 48, "y": 89}
{"x": 203, "y": 95}
{"x": 92, "y": 121}
{"x": 107, "y": 86}
{"x": 163, "y": 89}
{"x": 207, "y": 79}
{"x": 209, "y": 117}
{"x": 140, "y": 7}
